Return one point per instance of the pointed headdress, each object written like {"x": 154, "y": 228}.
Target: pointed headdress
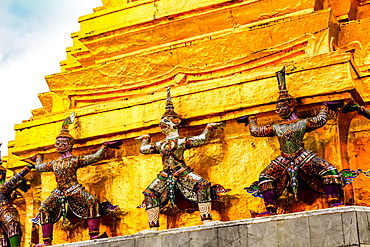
{"x": 283, "y": 92}
{"x": 169, "y": 106}
{"x": 64, "y": 133}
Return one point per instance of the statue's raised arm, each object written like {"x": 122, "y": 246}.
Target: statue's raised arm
{"x": 145, "y": 146}
{"x": 319, "y": 120}
{"x": 198, "y": 140}
{"x": 259, "y": 131}
{"x": 85, "y": 160}
{"x": 40, "y": 165}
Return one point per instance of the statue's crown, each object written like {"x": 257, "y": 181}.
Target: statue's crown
{"x": 283, "y": 92}
{"x": 64, "y": 132}
{"x": 169, "y": 106}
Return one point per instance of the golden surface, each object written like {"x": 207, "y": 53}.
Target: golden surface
{"x": 221, "y": 57}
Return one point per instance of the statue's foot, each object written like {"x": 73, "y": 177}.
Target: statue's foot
{"x": 263, "y": 214}
{"x": 210, "y": 222}
{"x": 337, "y": 205}
{"x": 103, "y": 235}
{"x": 151, "y": 230}
{"x": 44, "y": 244}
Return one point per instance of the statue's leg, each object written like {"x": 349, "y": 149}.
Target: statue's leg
{"x": 203, "y": 190}
{"x": 195, "y": 188}
{"x": 153, "y": 218}
{"x": 11, "y": 226}
{"x": 333, "y": 187}
{"x": 154, "y": 201}
{"x": 205, "y": 211}
{"x": 3, "y": 237}
{"x": 332, "y": 192}
{"x": 270, "y": 201}
{"x": 47, "y": 234}
{"x": 93, "y": 225}
{"x": 331, "y": 179}
{"x": 88, "y": 206}
{"x": 15, "y": 241}
{"x": 273, "y": 174}
{"x": 49, "y": 211}
{"x": 13, "y": 230}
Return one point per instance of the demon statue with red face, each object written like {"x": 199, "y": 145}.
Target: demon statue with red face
{"x": 81, "y": 204}
{"x": 176, "y": 181}
{"x": 9, "y": 216}
{"x": 295, "y": 163}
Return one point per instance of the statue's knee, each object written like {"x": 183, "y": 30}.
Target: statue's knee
{"x": 14, "y": 229}
{"x": 266, "y": 185}
{"x": 152, "y": 201}
{"x": 204, "y": 195}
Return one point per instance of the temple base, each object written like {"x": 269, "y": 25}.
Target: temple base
{"x": 344, "y": 226}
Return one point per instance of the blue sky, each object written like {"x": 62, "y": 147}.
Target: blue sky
{"x": 34, "y": 35}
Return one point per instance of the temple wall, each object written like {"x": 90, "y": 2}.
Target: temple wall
{"x": 220, "y": 58}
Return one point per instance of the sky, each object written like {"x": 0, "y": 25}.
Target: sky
{"x": 34, "y": 35}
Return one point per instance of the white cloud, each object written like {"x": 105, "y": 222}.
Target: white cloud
{"x": 34, "y": 37}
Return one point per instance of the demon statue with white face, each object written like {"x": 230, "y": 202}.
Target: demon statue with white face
{"x": 177, "y": 180}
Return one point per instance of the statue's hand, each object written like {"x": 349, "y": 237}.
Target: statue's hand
{"x": 113, "y": 144}
{"x": 24, "y": 185}
{"x": 350, "y": 107}
{"x": 141, "y": 138}
{"x": 244, "y": 119}
{"x": 31, "y": 166}
{"x": 334, "y": 105}
{"x": 34, "y": 158}
{"x": 219, "y": 125}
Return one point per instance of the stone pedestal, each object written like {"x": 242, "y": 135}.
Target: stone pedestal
{"x": 344, "y": 226}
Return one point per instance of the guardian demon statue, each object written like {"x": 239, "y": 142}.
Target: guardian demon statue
{"x": 9, "y": 216}
{"x": 295, "y": 163}
{"x": 177, "y": 181}
{"x": 81, "y": 204}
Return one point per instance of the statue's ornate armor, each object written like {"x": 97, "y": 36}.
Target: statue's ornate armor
{"x": 294, "y": 160}
{"x": 69, "y": 190}
{"x": 9, "y": 217}
{"x": 175, "y": 173}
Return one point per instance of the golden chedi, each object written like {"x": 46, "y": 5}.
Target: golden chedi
{"x": 220, "y": 58}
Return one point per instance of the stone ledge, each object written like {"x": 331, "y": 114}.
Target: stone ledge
{"x": 344, "y": 226}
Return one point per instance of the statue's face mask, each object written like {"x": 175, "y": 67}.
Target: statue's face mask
{"x": 169, "y": 124}
{"x": 63, "y": 144}
{"x": 284, "y": 110}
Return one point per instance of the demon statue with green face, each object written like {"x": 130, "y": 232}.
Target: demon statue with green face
{"x": 295, "y": 165}
{"x": 9, "y": 216}
{"x": 81, "y": 204}
{"x": 176, "y": 181}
